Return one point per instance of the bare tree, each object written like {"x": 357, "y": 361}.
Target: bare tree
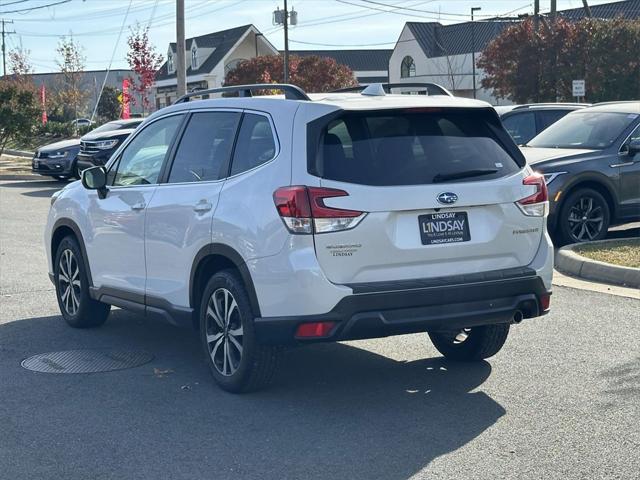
{"x": 19, "y": 63}
{"x": 71, "y": 64}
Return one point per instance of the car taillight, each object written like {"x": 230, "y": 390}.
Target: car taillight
{"x": 536, "y": 204}
{"x": 302, "y": 210}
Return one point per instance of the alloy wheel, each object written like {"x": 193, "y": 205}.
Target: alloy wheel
{"x": 69, "y": 282}
{"x": 586, "y": 219}
{"x": 224, "y": 331}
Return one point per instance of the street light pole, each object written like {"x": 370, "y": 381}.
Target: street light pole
{"x": 473, "y": 48}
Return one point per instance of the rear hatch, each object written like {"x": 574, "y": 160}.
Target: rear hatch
{"x": 432, "y": 193}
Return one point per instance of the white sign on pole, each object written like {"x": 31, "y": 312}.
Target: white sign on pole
{"x": 578, "y": 88}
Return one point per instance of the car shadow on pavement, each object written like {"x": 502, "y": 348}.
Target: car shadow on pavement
{"x": 334, "y": 411}
{"x": 33, "y": 184}
{"x": 42, "y": 188}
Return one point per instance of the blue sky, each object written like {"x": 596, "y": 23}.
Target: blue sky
{"x": 323, "y": 24}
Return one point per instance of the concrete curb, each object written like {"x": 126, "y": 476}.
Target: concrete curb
{"x": 18, "y": 153}
{"x": 571, "y": 263}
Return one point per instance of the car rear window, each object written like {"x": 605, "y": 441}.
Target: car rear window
{"x": 413, "y": 147}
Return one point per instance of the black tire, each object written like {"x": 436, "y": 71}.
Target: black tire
{"x": 87, "y": 312}
{"x": 75, "y": 172}
{"x": 247, "y": 370}
{"x": 480, "y": 343}
{"x": 572, "y": 217}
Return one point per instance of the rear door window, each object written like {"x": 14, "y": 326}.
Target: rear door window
{"x": 205, "y": 148}
{"x": 256, "y": 143}
{"x": 549, "y": 117}
{"x": 412, "y": 147}
{"x": 521, "y": 126}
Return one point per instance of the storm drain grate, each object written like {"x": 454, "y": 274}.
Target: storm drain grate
{"x": 86, "y": 361}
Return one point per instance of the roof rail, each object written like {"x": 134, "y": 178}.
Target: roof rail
{"x": 291, "y": 92}
{"x": 432, "y": 88}
{"x": 551, "y": 104}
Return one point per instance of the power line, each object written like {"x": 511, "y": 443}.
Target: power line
{"x": 393, "y": 11}
{"x": 112, "y": 31}
{"x": 346, "y": 19}
{"x": 448, "y": 14}
{"x": 12, "y": 3}
{"x": 342, "y": 44}
{"x": 153, "y": 14}
{"x": 35, "y": 8}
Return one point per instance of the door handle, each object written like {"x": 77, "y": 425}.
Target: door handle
{"x": 138, "y": 206}
{"x": 202, "y": 206}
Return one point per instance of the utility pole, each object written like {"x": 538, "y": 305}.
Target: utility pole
{"x": 586, "y": 8}
{"x": 536, "y": 15}
{"x": 181, "y": 64}
{"x": 473, "y": 48}
{"x": 4, "y": 47}
{"x": 554, "y": 9}
{"x": 285, "y": 18}
{"x": 286, "y": 42}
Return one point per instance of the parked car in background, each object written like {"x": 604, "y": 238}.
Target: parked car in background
{"x": 57, "y": 160}
{"x": 97, "y": 146}
{"x": 81, "y": 122}
{"x": 591, "y": 162}
{"x": 523, "y": 122}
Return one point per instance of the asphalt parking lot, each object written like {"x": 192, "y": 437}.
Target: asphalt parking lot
{"x": 560, "y": 401}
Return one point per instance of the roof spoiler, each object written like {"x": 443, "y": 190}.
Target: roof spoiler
{"x": 291, "y": 92}
{"x": 431, "y": 88}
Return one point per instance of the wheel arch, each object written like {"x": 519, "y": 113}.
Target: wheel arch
{"x": 63, "y": 228}
{"x": 594, "y": 182}
{"x": 211, "y": 259}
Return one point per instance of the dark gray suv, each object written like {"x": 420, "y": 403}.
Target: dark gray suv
{"x": 591, "y": 162}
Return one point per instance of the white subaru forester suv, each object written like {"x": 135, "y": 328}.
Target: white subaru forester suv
{"x": 267, "y": 221}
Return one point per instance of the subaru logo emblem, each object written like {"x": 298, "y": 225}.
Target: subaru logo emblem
{"x": 447, "y": 198}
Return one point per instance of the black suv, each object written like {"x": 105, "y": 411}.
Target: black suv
{"x": 523, "y": 122}
{"x": 97, "y": 146}
{"x": 591, "y": 162}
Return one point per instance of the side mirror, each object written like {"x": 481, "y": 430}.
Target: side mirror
{"x": 633, "y": 147}
{"x": 95, "y": 178}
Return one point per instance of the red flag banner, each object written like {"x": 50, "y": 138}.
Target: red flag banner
{"x": 43, "y": 101}
{"x": 126, "y": 112}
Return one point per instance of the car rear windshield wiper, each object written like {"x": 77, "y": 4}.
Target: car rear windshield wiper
{"x": 445, "y": 177}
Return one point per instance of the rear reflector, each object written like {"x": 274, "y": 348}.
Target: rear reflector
{"x": 315, "y": 329}
{"x": 536, "y": 204}
{"x": 545, "y": 302}
{"x": 302, "y": 210}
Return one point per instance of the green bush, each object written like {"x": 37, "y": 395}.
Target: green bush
{"x": 56, "y": 129}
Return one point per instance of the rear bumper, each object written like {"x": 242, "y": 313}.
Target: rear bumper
{"x": 393, "y": 309}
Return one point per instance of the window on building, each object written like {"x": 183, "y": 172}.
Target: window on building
{"x": 194, "y": 58}
{"x": 170, "y": 67}
{"x": 408, "y": 67}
